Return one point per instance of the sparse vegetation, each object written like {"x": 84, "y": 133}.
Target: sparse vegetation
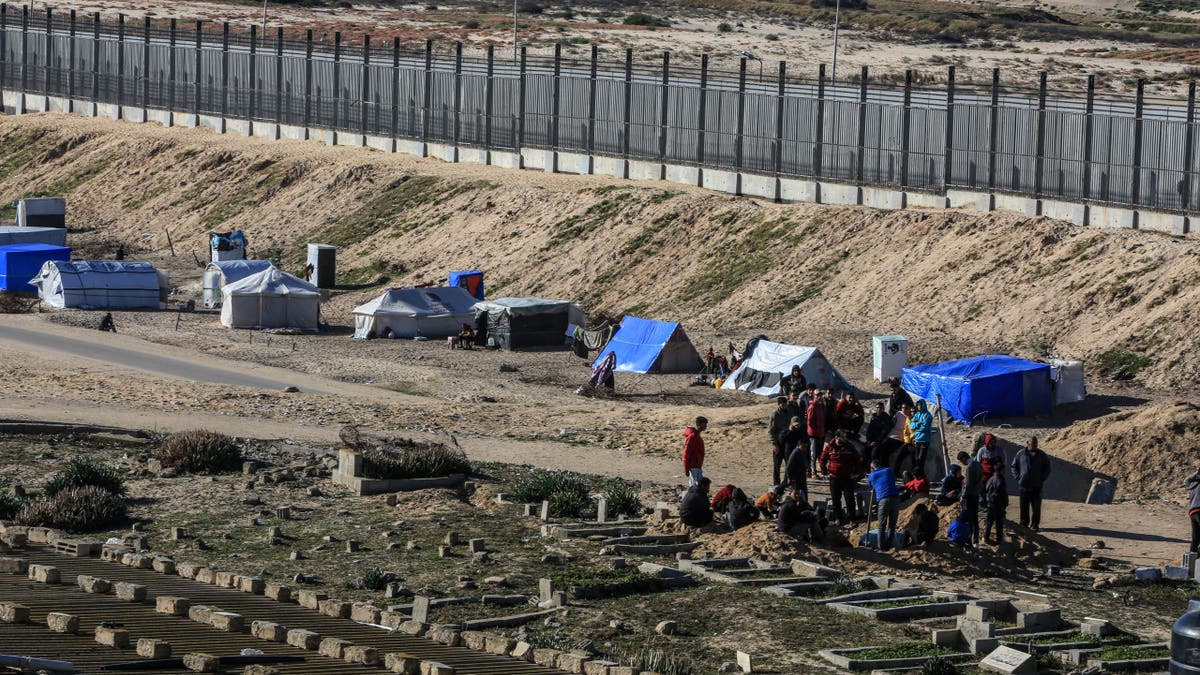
{"x": 199, "y": 451}
{"x": 640, "y": 19}
{"x": 10, "y": 504}
{"x": 903, "y": 650}
{"x": 406, "y": 458}
{"x": 80, "y": 472}
{"x": 75, "y": 509}
{"x": 1121, "y": 364}
{"x": 939, "y": 666}
{"x": 622, "y": 501}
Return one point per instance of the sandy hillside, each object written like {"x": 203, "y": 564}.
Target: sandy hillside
{"x": 956, "y": 283}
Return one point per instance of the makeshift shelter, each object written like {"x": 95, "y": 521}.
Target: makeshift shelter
{"x": 42, "y": 212}
{"x": 769, "y": 362}
{"x": 472, "y": 280}
{"x": 227, "y": 245}
{"x": 54, "y": 236}
{"x": 648, "y": 346}
{"x": 526, "y": 323}
{"x": 994, "y": 385}
{"x": 415, "y": 312}
{"x": 99, "y": 285}
{"x": 21, "y": 262}
{"x": 271, "y": 299}
{"x": 1067, "y": 377}
{"x": 217, "y": 275}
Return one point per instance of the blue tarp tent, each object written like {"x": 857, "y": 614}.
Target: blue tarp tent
{"x": 648, "y": 346}
{"x": 20, "y": 263}
{"x": 472, "y": 280}
{"x": 994, "y": 385}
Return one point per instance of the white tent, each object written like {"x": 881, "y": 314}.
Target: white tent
{"x": 54, "y": 236}
{"x": 415, "y": 312}
{"x": 1067, "y": 379}
{"x": 219, "y": 274}
{"x": 271, "y": 299}
{"x": 99, "y": 284}
{"x": 769, "y": 362}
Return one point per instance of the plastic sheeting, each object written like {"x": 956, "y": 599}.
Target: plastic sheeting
{"x": 648, "y": 346}
{"x": 1068, "y": 381}
{"x": 416, "y": 312}
{"x": 527, "y": 323}
{"x": 472, "y": 280}
{"x": 271, "y": 299}
{"x": 54, "y": 236}
{"x": 772, "y": 361}
{"x": 19, "y": 263}
{"x": 98, "y": 285}
{"x": 983, "y": 387}
{"x": 219, "y": 274}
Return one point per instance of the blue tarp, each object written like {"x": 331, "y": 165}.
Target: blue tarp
{"x": 472, "y": 280}
{"x": 991, "y": 386}
{"x": 20, "y": 263}
{"x": 638, "y": 344}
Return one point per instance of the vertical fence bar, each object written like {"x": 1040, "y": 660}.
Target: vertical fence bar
{"x": 427, "y": 93}
{"x": 457, "y": 95}
{"x": 25, "y": 50}
{"x": 819, "y": 131}
{"x": 555, "y": 103}
{"x": 337, "y": 82}
{"x": 489, "y": 93}
{"x": 49, "y": 50}
{"x": 1185, "y": 197}
{"x": 779, "y": 98}
{"x": 224, "y": 72}
{"x": 252, "y": 107}
{"x": 664, "y": 101}
{"x": 145, "y": 64}
{"x": 171, "y": 70}
{"x": 1040, "y": 151}
{"x": 95, "y": 59}
{"x": 906, "y": 128}
{"x": 71, "y": 46}
{"x": 3, "y": 47}
{"x": 947, "y": 159}
{"x": 521, "y": 107}
{"x": 591, "y": 138}
{"x": 1087, "y": 137}
{"x": 365, "y": 94}
{"x": 860, "y": 163}
{"x": 1139, "y": 108}
{"x": 198, "y": 83}
{"x": 993, "y": 128}
{"x": 396, "y": 88}
{"x": 702, "y": 126}
{"x": 739, "y": 146}
{"x": 308, "y": 80}
{"x": 278, "y": 79}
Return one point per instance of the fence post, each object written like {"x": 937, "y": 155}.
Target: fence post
{"x": 993, "y": 130}
{"x": 427, "y": 97}
{"x": 906, "y": 128}
{"x": 664, "y": 102}
{"x": 1185, "y": 198}
{"x": 947, "y": 159}
{"x": 171, "y": 73}
{"x": 521, "y": 109}
{"x": 739, "y": 140}
{"x": 25, "y": 57}
{"x": 278, "y": 81}
{"x": 365, "y": 94}
{"x": 145, "y": 66}
{"x": 95, "y": 61}
{"x": 1040, "y": 151}
{"x": 1087, "y": 141}
{"x": 49, "y": 50}
{"x": 819, "y": 131}
{"x": 555, "y": 102}
{"x": 224, "y": 75}
{"x": 71, "y": 47}
{"x": 457, "y": 97}
{"x": 308, "y": 79}
{"x": 252, "y": 107}
{"x": 337, "y": 84}
{"x": 860, "y": 164}
{"x": 489, "y": 94}
{"x": 591, "y": 138}
{"x": 396, "y": 90}
{"x": 627, "y": 111}
{"x": 779, "y": 129}
{"x": 198, "y": 84}
{"x": 1136, "y": 188}
{"x": 3, "y": 47}
{"x": 702, "y": 125}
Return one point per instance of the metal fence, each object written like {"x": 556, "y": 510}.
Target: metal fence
{"x": 977, "y": 136}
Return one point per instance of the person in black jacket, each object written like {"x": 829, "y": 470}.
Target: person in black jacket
{"x": 899, "y": 398}
{"x": 797, "y": 461}
{"x": 793, "y": 383}
{"x": 1193, "y": 487}
{"x": 1031, "y": 468}
{"x": 740, "y": 512}
{"x": 798, "y": 519}
{"x": 780, "y": 421}
{"x": 694, "y": 509}
{"x": 877, "y": 431}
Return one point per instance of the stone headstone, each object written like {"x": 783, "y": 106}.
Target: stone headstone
{"x": 744, "y": 662}
{"x": 545, "y": 590}
{"x": 1176, "y": 572}
{"x": 545, "y": 513}
{"x": 1147, "y": 574}
{"x": 602, "y": 510}
{"x": 1188, "y": 560}
{"x": 1009, "y": 660}
{"x": 531, "y": 510}
{"x": 420, "y": 609}
{"x": 1101, "y": 492}
{"x": 477, "y": 546}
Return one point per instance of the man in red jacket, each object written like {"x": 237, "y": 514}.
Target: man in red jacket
{"x": 840, "y": 461}
{"x": 816, "y": 429}
{"x": 693, "y": 451}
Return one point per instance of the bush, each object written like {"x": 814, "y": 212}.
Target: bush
{"x": 528, "y": 7}
{"x": 640, "y": 19}
{"x": 1121, "y": 364}
{"x": 540, "y": 484}
{"x": 567, "y": 504}
{"x": 724, "y": 28}
{"x": 82, "y": 471}
{"x": 75, "y": 509}
{"x": 199, "y": 452}
{"x": 622, "y": 501}
{"x": 409, "y": 459}
{"x": 771, "y": 37}
{"x": 375, "y": 579}
{"x": 939, "y": 666}
{"x": 10, "y": 505}
{"x": 471, "y": 24}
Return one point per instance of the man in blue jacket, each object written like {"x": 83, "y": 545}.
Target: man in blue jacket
{"x": 887, "y": 499}
{"x": 921, "y": 424}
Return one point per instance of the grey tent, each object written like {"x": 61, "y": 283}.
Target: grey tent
{"x": 527, "y": 323}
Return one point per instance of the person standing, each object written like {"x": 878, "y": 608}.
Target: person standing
{"x": 921, "y": 424}
{"x": 972, "y": 490}
{"x": 795, "y": 446}
{"x": 816, "y": 430}
{"x": 850, "y": 414}
{"x": 780, "y": 424}
{"x": 693, "y": 451}
{"x": 887, "y": 500}
{"x": 840, "y": 461}
{"x": 1031, "y": 468}
{"x": 898, "y": 398}
{"x": 996, "y": 493}
{"x": 1193, "y": 487}
{"x": 877, "y": 431}
{"x": 991, "y": 457}
{"x": 896, "y": 439}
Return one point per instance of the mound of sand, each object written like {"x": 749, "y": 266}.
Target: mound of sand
{"x": 1149, "y": 450}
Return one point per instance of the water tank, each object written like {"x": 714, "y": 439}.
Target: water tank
{"x": 890, "y": 356}
{"x": 323, "y": 259}
{"x": 1185, "y": 641}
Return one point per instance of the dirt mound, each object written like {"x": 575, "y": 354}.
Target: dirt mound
{"x": 1149, "y": 450}
{"x": 962, "y": 282}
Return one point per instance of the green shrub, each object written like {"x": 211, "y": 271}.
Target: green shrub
{"x": 375, "y": 579}
{"x": 771, "y": 37}
{"x": 83, "y": 471}
{"x": 622, "y": 501}
{"x": 199, "y": 451}
{"x": 10, "y": 505}
{"x": 639, "y": 19}
{"x": 939, "y": 666}
{"x": 724, "y": 28}
{"x": 1121, "y": 364}
{"x": 567, "y": 504}
{"x": 411, "y": 459}
{"x": 659, "y": 661}
{"x": 75, "y": 509}
{"x": 540, "y": 484}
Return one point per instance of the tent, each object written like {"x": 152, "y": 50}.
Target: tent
{"x": 54, "y": 236}
{"x": 648, "y": 346}
{"x": 525, "y": 323}
{"x": 227, "y": 245}
{"x": 472, "y": 280}
{"x": 271, "y": 299}
{"x": 21, "y": 262}
{"x": 994, "y": 385}
{"x": 1068, "y": 381}
{"x": 769, "y": 362}
{"x": 413, "y": 312}
{"x": 98, "y": 285}
{"x": 219, "y": 274}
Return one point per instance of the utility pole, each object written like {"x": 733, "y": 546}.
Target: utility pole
{"x": 837, "y": 16}
{"x": 514, "y": 31}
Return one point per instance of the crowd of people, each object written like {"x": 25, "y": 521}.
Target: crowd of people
{"x": 819, "y": 435}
